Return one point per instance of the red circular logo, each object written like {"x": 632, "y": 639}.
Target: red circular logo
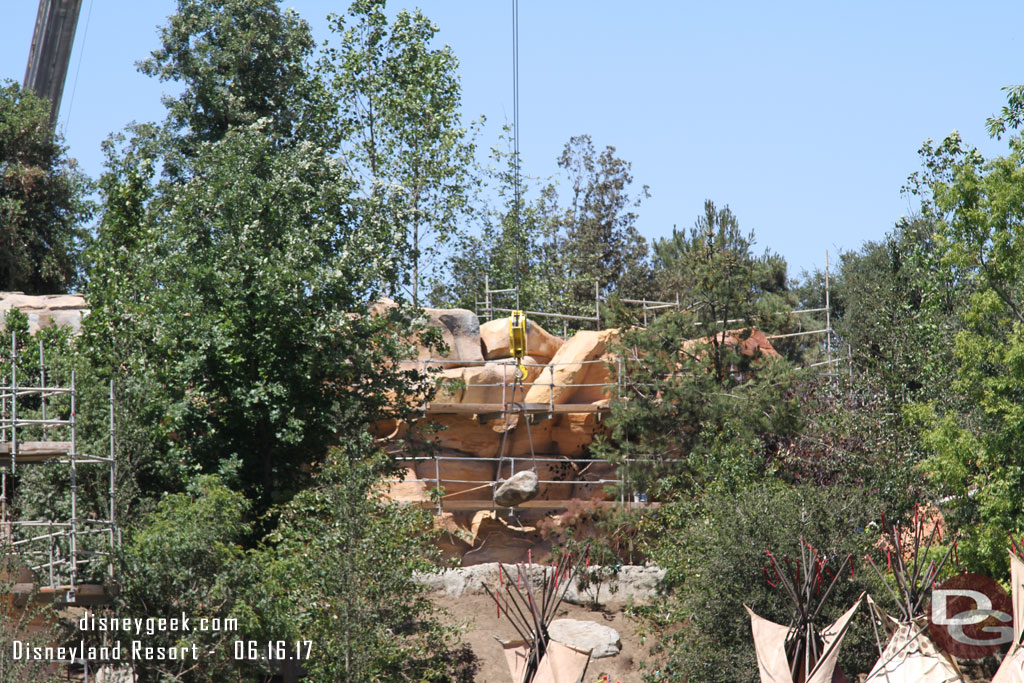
{"x": 970, "y": 616}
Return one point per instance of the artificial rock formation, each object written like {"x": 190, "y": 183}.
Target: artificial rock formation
{"x": 45, "y": 310}
{"x": 568, "y": 388}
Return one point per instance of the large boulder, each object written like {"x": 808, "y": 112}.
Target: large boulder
{"x": 588, "y": 636}
{"x": 571, "y": 363}
{"x": 540, "y": 343}
{"x": 551, "y": 474}
{"x": 46, "y": 310}
{"x": 460, "y": 329}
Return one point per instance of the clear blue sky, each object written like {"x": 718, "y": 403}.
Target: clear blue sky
{"x": 804, "y": 117}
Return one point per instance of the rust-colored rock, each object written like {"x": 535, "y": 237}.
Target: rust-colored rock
{"x": 497, "y": 540}
{"x": 454, "y": 475}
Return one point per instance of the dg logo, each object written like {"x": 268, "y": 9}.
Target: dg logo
{"x": 970, "y": 616}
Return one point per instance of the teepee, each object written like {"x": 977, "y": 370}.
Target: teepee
{"x": 911, "y": 656}
{"x": 1012, "y": 668}
{"x": 530, "y": 603}
{"x": 799, "y": 652}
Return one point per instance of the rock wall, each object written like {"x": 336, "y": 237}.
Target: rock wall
{"x": 47, "y": 309}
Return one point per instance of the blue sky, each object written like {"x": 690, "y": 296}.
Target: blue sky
{"x": 804, "y": 117}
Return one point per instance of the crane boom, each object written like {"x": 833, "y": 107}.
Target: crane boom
{"x": 50, "y": 53}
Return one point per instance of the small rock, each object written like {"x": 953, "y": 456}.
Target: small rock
{"x": 602, "y": 640}
{"x": 517, "y": 489}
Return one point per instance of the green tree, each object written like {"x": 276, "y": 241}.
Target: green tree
{"x": 713, "y": 552}
{"x": 398, "y": 128}
{"x": 696, "y": 410}
{"x": 43, "y": 199}
{"x": 186, "y": 557}
{"x": 338, "y": 571}
{"x": 235, "y": 274}
{"x": 516, "y": 246}
{"x": 976, "y": 442}
{"x": 254, "y": 308}
{"x": 241, "y": 61}
{"x": 600, "y": 242}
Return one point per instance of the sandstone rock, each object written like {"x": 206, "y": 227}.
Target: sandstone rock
{"x": 539, "y": 342}
{"x": 47, "y": 310}
{"x": 523, "y": 444}
{"x": 517, "y": 489}
{"x": 450, "y": 385}
{"x": 460, "y": 330}
{"x": 599, "y": 640}
{"x": 574, "y": 432}
{"x": 569, "y": 365}
{"x": 497, "y": 540}
{"x": 455, "y": 476}
{"x": 460, "y": 433}
{"x": 454, "y": 538}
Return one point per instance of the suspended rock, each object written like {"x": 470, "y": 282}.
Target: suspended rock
{"x": 518, "y": 489}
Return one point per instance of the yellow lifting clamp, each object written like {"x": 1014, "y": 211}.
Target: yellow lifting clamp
{"x": 517, "y": 339}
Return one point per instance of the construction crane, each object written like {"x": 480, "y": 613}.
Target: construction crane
{"x": 50, "y": 53}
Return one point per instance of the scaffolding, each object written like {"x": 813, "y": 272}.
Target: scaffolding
{"x": 535, "y": 411}
{"x": 39, "y": 427}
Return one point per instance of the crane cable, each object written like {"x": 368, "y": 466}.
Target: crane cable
{"x": 517, "y": 320}
{"x": 517, "y": 189}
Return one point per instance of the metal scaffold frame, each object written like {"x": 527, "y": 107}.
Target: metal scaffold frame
{"x": 32, "y": 434}
{"x": 533, "y": 411}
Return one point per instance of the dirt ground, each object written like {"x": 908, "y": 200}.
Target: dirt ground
{"x": 479, "y": 614}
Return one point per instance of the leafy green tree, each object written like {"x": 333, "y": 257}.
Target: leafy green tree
{"x": 241, "y": 61}
{"x": 713, "y": 551}
{"x": 712, "y": 270}
{"x": 186, "y": 557}
{"x": 338, "y": 571}
{"x": 254, "y": 313}
{"x": 398, "y": 128}
{"x": 515, "y": 246}
{"x": 976, "y": 443}
{"x": 234, "y": 268}
{"x": 43, "y": 199}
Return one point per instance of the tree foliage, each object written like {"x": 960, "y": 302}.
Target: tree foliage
{"x": 338, "y": 571}
{"x": 695, "y": 411}
{"x": 601, "y": 244}
{"x": 43, "y": 199}
{"x": 714, "y": 550}
{"x": 398, "y": 128}
{"x": 975, "y": 445}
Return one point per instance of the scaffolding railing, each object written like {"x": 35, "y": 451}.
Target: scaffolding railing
{"x": 531, "y": 461}
{"x": 72, "y": 549}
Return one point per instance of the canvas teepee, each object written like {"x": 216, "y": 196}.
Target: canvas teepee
{"x": 530, "y": 603}
{"x": 911, "y": 655}
{"x": 1012, "y": 668}
{"x": 799, "y": 652}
